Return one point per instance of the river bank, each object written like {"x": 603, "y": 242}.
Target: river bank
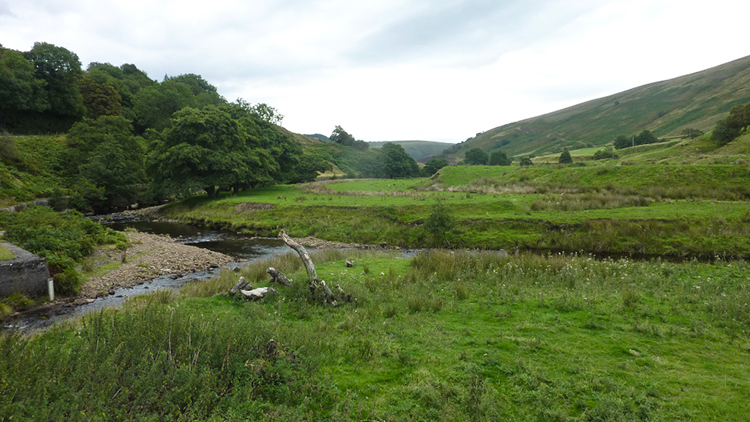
{"x": 148, "y": 257}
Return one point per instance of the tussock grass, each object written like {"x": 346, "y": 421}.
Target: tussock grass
{"x": 447, "y": 335}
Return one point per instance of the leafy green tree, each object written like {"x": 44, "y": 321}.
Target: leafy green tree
{"x": 565, "y": 157}
{"x": 127, "y": 80}
{"x": 19, "y": 90}
{"x": 646, "y": 137}
{"x": 396, "y": 163}
{"x": 202, "y": 149}
{"x": 733, "y": 126}
{"x": 500, "y": 158}
{"x": 155, "y": 105}
{"x": 434, "y": 165}
{"x": 268, "y": 113}
{"x": 108, "y": 158}
{"x": 476, "y": 157}
{"x": 526, "y": 161}
{"x": 60, "y": 69}
{"x": 99, "y": 99}
{"x": 340, "y": 136}
{"x": 204, "y": 92}
{"x": 623, "y": 141}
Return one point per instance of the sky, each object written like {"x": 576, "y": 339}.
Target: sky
{"x": 391, "y": 70}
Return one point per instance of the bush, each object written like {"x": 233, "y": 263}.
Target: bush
{"x": 63, "y": 239}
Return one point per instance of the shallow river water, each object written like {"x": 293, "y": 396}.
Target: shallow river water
{"x": 243, "y": 248}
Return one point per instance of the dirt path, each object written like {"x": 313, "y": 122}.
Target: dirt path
{"x": 150, "y": 256}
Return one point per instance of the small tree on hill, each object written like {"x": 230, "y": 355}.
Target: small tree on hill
{"x": 565, "y": 157}
{"x": 476, "y": 157}
{"x": 526, "y": 161}
{"x": 433, "y": 165}
{"x": 500, "y": 158}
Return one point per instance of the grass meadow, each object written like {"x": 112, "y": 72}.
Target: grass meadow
{"x": 445, "y": 335}
{"x": 674, "y": 212}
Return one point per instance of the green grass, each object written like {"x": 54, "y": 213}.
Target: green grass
{"x": 677, "y": 210}
{"x": 5, "y": 254}
{"x": 444, "y": 336}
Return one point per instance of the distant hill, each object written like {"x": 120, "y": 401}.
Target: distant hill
{"x": 666, "y": 108}
{"x": 417, "y": 150}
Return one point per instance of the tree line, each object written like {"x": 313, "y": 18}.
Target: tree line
{"x": 130, "y": 138}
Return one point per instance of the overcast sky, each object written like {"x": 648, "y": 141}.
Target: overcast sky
{"x": 395, "y": 69}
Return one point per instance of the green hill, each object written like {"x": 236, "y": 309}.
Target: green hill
{"x": 666, "y": 108}
{"x": 418, "y": 150}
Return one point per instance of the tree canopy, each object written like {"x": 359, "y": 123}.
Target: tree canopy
{"x": 565, "y": 157}
{"x": 476, "y": 157}
{"x": 500, "y": 158}
{"x": 733, "y": 126}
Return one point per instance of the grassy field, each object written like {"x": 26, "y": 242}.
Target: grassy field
{"x": 449, "y": 336}
{"x": 675, "y": 211}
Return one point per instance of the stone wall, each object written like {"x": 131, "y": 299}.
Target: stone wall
{"x": 27, "y": 273}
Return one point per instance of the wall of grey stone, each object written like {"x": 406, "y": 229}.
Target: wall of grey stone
{"x": 27, "y": 273}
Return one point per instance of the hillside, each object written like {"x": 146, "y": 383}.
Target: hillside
{"x": 418, "y": 150}
{"x": 666, "y": 108}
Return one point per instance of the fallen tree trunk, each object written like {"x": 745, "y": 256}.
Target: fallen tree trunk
{"x": 278, "y": 277}
{"x": 319, "y": 290}
{"x": 302, "y": 252}
{"x": 258, "y": 293}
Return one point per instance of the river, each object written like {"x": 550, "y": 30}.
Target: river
{"x": 244, "y": 249}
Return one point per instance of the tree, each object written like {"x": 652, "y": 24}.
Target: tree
{"x": 733, "y": 126}
{"x": 202, "y": 149}
{"x": 268, "y": 113}
{"x": 646, "y": 137}
{"x": 60, "y": 69}
{"x": 341, "y": 136}
{"x": 203, "y": 92}
{"x": 19, "y": 90}
{"x": 500, "y": 158}
{"x": 565, "y": 157}
{"x": 155, "y": 105}
{"x": 476, "y": 157}
{"x": 434, "y": 165}
{"x": 108, "y": 161}
{"x": 396, "y": 163}
{"x": 99, "y": 99}
{"x": 526, "y": 161}
{"x": 623, "y": 141}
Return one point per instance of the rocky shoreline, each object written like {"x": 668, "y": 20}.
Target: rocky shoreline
{"x": 149, "y": 257}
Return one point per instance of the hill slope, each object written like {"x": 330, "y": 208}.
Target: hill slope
{"x": 417, "y": 149}
{"x": 666, "y": 108}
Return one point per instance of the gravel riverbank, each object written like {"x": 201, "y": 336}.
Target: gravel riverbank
{"x": 150, "y": 256}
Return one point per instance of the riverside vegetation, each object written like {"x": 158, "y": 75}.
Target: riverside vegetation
{"x": 443, "y": 336}
{"x": 623, "y": 294}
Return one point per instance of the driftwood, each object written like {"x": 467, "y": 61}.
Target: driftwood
{"x": 239, "y": 286}
{"x": 258, "y": 293}
{"x": 278, "y": 277}
{"x": 245, "y": 290}
{"x": 319, "y": 290}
